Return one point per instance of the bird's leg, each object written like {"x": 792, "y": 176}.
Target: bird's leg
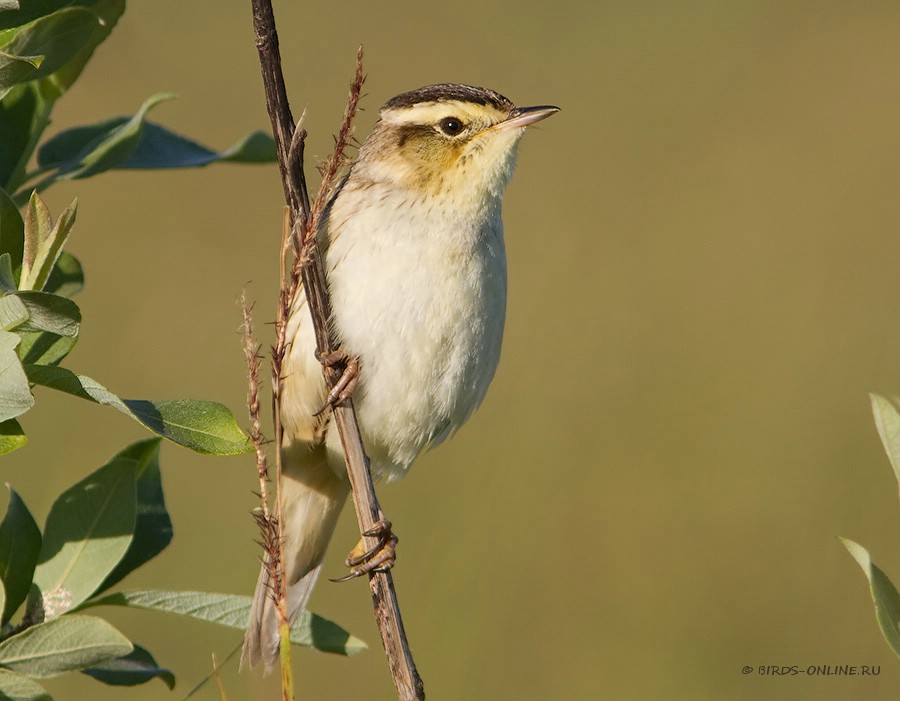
{"x": 379, "y": 558}
{"x": 343, "y": 388}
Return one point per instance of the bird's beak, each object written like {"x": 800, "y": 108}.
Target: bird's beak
{"x": 523, "y": 116}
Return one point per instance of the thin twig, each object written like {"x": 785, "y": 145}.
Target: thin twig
{"x": 308, "y": 269}
{"x": 221, "y": 686}
{"x": 203, "y": 682}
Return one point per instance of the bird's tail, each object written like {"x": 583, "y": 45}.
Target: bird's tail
{"x": 312, "y": 497}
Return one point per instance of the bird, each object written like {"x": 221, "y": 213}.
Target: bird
{"x": 414, "y": 258}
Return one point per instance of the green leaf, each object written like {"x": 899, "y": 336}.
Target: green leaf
{"x": 88, "y": 531}
{"x": 15, "y": 394}
{"x": 16, "y": 69}
{"x": 135, "y": 668}
{"x": 38, "y": 225}
{"x": 153, "y": 527}
{"x": 44, "y": 348}
{"x": 12, "y": 228}
{"x": 311, "y": 630}
{"x": 67, "y": 278}
{"x": 884, "y": 595}
{"x": 206, "y": 427}
{"x": 233, "y": 611}
{"x": 887, "y": 421}
{"x": 67, "y": 146}
{"x": 7, "y": 278}
{"x": 20, "y": 543}
{"x": 108, "y": 13}
{"x": 54, "y": 40}
{"x": 62, "y": 645}
{"x": 30, "y": 11}
{"x": 161, "y": 148}
{"x": 32, "y": 310}
{"x": 25, "y": 111}
{"x": 24, "y": 114}
{"x": 256, "y": 147}
{"x": 12, "y": 437}
{"x": 43, "y": 241}
{"x": 17, "y": 687}
{"x": 158, "y": 148}
{"x": 13, "y": 312}
{"x": 49, "y": 312}
{"x": 107, "y": 149}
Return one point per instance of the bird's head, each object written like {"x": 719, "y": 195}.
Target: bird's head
{"x": 447, "y": 141}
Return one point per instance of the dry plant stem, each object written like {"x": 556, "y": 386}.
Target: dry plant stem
{"x": 273, "y": 540}
{"x": 284, "y": 655}
{"x": 368, "y": 512}
{"x": 308, "y": 268}
{"x": 251, "y": 352}
{"x": 270, "y": 528}
{"x": 219, "y": 685}
{"x": 294, "y": 185}
{"x": 277, "y": 575}
{"x": 276, "y": 100}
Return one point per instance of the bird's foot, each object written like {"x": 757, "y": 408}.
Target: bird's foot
{"x": 379, "y": 558}
{"x": 343, "y": 388}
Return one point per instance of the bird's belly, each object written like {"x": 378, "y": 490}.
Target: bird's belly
{"x": 427, "y": 329}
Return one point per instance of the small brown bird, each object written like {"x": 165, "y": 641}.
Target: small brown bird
{"x": 415, "y": 262}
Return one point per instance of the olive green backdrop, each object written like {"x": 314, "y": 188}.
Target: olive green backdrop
{"x": 704, "y": 252}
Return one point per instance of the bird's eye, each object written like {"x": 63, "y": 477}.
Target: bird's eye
{"x": 451, "y": 126}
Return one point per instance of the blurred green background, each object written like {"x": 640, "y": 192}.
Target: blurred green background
{"x": 704, "y": 287}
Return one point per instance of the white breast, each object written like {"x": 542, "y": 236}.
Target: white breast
{"x": 419, "y": 295}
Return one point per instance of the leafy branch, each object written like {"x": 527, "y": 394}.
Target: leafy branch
{"x": 884, "y": 594}
{"x": 114, "y": 520}
{"x": 97, "y": 532}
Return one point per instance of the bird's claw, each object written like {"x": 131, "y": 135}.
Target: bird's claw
{"x": 343, "y": 388}
{"x": 379, "y": 558}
